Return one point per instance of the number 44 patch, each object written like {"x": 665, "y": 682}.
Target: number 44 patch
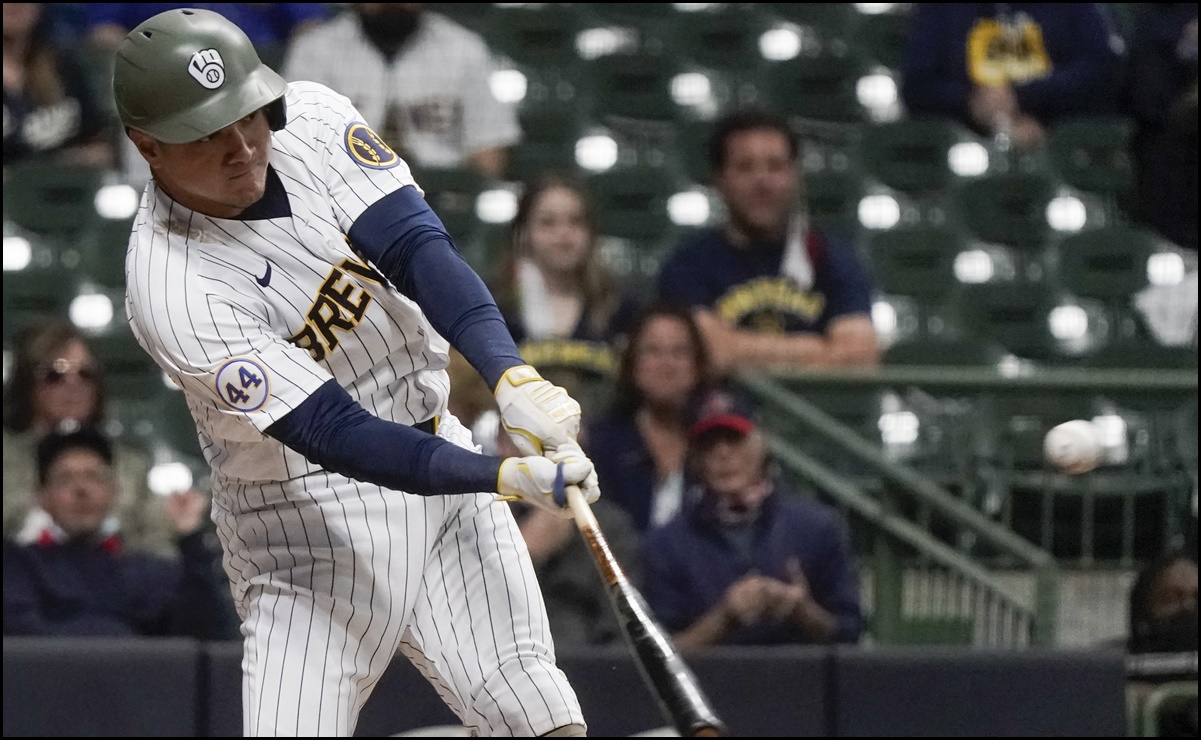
{"x": 242, "y": 384}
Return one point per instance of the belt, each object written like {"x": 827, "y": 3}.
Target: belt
{"x": 429, "y": 426}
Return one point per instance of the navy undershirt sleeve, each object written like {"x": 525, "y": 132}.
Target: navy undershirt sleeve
{"x": 406, "y": 240}
{"x": 333, "y": 431}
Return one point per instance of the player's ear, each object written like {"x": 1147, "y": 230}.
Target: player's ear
{"x": 147, "y": 145}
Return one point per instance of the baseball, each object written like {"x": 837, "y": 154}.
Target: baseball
{"x": 1073, "y": 447}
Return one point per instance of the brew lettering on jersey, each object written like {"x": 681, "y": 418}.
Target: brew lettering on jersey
{"x": 339, "y": 306}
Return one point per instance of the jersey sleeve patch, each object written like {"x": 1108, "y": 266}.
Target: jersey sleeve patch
{"x": 367, "y": 148}
{"x": 242, "y": 384}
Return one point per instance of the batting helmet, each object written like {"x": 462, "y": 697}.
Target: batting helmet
{"x": 186, "y": 73}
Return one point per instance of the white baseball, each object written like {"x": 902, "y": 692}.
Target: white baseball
{"x": 1073, "y": 447}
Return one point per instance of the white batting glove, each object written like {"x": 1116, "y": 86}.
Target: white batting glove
{"x": 538, "y": 415}
{"x": 532, "y": 479}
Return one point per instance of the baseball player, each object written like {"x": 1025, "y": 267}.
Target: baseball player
{"x": 286, "y": 272}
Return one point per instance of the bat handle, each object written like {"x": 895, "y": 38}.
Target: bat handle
{"x": 584, "y": 518}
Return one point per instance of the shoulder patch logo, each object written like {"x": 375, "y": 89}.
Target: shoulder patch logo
{"x": 242, "y": 384}
{"x": 368, "y": 149}
{"x": 208, "y": 68}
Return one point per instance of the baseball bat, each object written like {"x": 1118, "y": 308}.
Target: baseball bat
{"x": 680, "y": 697}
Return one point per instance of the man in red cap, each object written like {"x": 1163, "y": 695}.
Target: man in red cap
{"x": 748, "y": 561}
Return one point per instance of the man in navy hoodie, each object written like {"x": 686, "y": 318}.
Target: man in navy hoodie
{"x": 76, "y": 579}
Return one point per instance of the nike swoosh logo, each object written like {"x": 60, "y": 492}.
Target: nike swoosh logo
{"x": 265, "y": 279}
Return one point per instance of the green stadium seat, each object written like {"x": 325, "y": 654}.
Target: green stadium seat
{"x": 911, "y": 155}
{"x": 1109, "y": 263}
{"x": 833, "y": 199}
{"x": 34, "y": 294}
{"x": 1012, "y": 313}
{"x": 549, "y": 136}
{"x": 633, "y": 87}
{"x": 692, "y": 150}
{"x": 52, "y": 200}
{"x": 1093, "y": 154}
{"x": 930, "y": 631}
{"x": 103, "y": 252}
{"x": 883, "y": 35}
{"x": 947, "y": 351}
{"x": 129, "y": 372}
{"x": 827, "y": 20}
{"x": 915, "y": 261}
{"x": 726, "y": 39}
{"x": 535, "y": 35}
{"x": 1007, "y": 208}
{"x": 819, "y": 87}
{"x": 631, "y": 203}
{"x": 452, "y": 193}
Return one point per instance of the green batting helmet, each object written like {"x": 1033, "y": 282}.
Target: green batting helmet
{"x": 186, "y": 73}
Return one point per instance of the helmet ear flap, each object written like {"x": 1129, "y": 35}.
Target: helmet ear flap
{"x": 277, "y": 114}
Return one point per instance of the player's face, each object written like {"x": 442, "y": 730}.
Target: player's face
{"x": 759, "y": 182}
{"x": 220, "y": 175}
{"x": 557, "y": 233}
{"x": 65, "y": 386}
{"x": 664, "y": 368}
{"x": 79, "y": 491}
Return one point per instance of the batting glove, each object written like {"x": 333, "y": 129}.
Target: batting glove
{"x": 533, "y": 480}
{"x": 538, "y": 415}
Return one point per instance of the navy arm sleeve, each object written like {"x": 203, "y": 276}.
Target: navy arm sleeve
{"x": 333, "y": 431}
{"x": 406, "y": 240}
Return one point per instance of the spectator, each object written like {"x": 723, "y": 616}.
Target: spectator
{"x": 425, "y": 77}
{"x": 51, "y": 112}
{"x": 768, "y": 287}
{"x": 748, "y": 561}
{"x": 577, "y": 600}
{"x": 563, "y": 308}
{"x": 1163, "y": 606}
{"x": 78, "y": 580}
{"x": 1163, "y": 619}
{"x": 639, "y": 446}
{"x": 56, "y": 381}
{"x": 1011, "y": 68}
{"x": 1162, "y": 94}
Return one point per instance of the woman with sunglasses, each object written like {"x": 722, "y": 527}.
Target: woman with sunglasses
{"x": 55, "y": 382}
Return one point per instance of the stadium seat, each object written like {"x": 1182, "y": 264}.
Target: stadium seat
{"x": 129, "y": 372}
{"x": 911, "y": 155}
{"x": 633, "y": 87}
{"x": 535, "y": 35}
{"x": 827, "y": 20}
{"x": 691, "y": 150}
{"x": 103, "y": 252}
{"x": 819, "y": 87}
{"x": 549, "y": 136}
{"x": 452, "y": 194}
{"x": 1108, "y": 264}
{"x": 1093, "y": 155}
{"x": 631, "y": 203}
{"x": 726, "y": 39}
{"x": 833, "y": 199}
{"x": 883, "y": 35}
{"x": 52, "y": 200}
{"x": 1007, "y": 208}
{"x": 915, "y": 261}
{"x": 32, "y": 295}
{"x": 1012, "y": 313}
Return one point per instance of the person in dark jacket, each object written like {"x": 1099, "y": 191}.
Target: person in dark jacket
{"x": 77, "y": 579}
{"x": 747, "y": 561}
{"x": 1011, "y": 68}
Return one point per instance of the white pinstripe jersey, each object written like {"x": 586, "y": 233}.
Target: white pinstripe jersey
{"x": 251, "y": 315}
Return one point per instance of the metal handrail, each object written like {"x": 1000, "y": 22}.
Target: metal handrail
{"x": 1041, "y": 562}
